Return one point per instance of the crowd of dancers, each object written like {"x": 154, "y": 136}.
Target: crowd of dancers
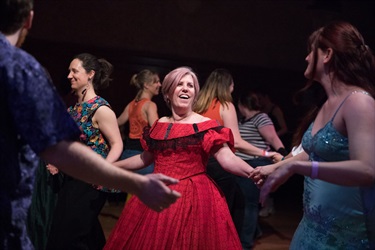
{"x": 185, "y": 170}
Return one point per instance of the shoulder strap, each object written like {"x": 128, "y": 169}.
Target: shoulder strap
{"x": 334, "y": 115}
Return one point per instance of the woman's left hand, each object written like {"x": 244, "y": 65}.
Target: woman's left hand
{"x": 274, "y": 181}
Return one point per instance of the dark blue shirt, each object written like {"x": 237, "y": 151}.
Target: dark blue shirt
{"x": 33, "y": 117}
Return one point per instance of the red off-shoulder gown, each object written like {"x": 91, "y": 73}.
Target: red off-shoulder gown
{"x": 200, "y": 219}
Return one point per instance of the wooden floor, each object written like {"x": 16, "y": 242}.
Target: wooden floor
{"x": 277, "y": 229}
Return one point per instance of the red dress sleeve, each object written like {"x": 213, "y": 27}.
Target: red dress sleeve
{"x": 216, "y": 137}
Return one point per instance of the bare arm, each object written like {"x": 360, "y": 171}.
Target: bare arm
{"x": 269, "y": 134}
{"x": 151, "y": 113}
{"x": 230, "y": 120}
{"x": 81, "y": 162}
{"x": 105, "y": 119}
{"x": 136, "y": 162}
{"x": 232, "y": 163}
{"x": 124, "y": 117}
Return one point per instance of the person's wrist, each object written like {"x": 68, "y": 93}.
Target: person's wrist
{"x": 140, "y": 182}
{"x": 292, "y": 167}
{"x": 265, "y": 153}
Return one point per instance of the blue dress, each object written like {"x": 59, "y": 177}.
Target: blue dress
{"x": 335, "y": 217}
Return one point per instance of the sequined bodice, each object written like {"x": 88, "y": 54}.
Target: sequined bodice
{"x": 326, "y": 145}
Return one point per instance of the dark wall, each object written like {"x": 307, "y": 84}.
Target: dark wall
{"x": 265, "y": 33}
{"x": 281, "y": 83}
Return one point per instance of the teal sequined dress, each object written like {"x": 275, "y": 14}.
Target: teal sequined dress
{"x": 335, "y": 217}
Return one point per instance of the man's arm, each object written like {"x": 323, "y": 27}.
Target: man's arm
{"x": 81, "y": 162}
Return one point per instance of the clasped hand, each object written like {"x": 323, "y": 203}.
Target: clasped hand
{"x": 269, "y": 178}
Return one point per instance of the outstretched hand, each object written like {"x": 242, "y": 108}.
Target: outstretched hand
{"x": 156, "y": 194}
{"x": 274, "y": 181}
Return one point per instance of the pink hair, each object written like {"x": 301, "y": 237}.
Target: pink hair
{"x": 173, "y": 78}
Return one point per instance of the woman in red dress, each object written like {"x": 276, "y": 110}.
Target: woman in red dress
{"x": 180, "y": 145}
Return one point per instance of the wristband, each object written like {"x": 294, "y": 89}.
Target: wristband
{"x": 314, "y": 169}
{"x": 265, "y": 153}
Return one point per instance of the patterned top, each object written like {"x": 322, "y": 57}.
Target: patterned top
{"x": 335, "y": 216}
{"x": 249, "y": 131}
{"x": 83, "y": 113}
{"x": 33, "y": 118}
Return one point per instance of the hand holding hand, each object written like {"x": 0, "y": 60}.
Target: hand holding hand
{"x": 52, "y": 169}
{"x": 156, "y": 194}
{"x": 260, "y": 174}
{"x": 277, "y": 157}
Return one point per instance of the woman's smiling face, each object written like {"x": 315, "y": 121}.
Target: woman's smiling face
{"x": 184, "y": 93}
{"x": 77, "y": 76}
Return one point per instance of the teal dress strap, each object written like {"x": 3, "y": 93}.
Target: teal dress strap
{"x": 354, "y": 92}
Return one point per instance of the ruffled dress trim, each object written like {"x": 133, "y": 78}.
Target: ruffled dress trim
{"x": 164, "y": 136}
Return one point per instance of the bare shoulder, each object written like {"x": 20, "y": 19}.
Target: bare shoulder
{"x": 227, "y": 107}
{"x": 149, "y": 104}
{"x": 104, "y": 114}
{"x": 359, "y": 107}
{"x": 165, "y": 119}
{"x": 360, "y": 101}
{"x": 150, "y": 107}
{"x": 197, "y": 118}
{"x": 203, "y": 119}
{"x": 104, "y": 110}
